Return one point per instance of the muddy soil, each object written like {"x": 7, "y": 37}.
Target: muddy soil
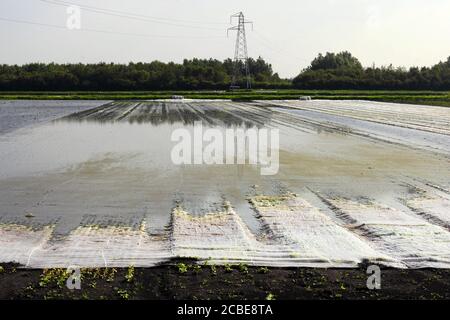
{"x": 184, "y": 281}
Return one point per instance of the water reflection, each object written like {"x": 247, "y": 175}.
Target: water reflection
{"x": 157, "y": 113}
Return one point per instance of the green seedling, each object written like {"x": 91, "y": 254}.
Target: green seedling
{"x": 197, "y": 268}
{"x": 270, "y": 297}
{"x": 243, "y": 268}
{"x": 263, "y": 270}
{"x": 228, "y": 268}
{"x": 123, "y": 294}
{"x": 213, "y": 269}
{"x": 129, "y": 276}
{"x": 182, "y": 268}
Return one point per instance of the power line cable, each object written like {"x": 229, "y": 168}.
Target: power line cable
{"x": 263, "y": 40}
{"x": 132, "y": 16}
{"x": 268, "y": 44}
{"x": 138, "y": 15}
{"x": 108, "y": 31}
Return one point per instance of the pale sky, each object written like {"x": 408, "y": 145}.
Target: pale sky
{"x": 287, "y": 33}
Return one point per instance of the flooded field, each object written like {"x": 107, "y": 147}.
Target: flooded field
{"x": 17, "y": 114}
{"x": 96, "y": 186}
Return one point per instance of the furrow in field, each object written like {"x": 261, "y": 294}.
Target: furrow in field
{"x": 283, "y": 119}
{"x": 186, "y": 114}
{"x": 151, "y": 113}
{"x": 173, "y": 113}
{"x": 227, "y": 115}
{"x": 312, "y": 235}
{"x": 298, "y": 122}
{"x": 369, "y": 129}
{"x": 410, "y": 239}
{"x": 84, "y": 114}
{"x": 445, "y": 190}
{"x": 108, "y": 114}
{"x": 156, "y": 115}
{"x": 200, "y": 114}
{"x": 431, "y": 205}
{"x": 436, "y": 120}
{"x": 128, "y": 111}
{"x": 256, "y": 115}
{"x": 209, "y": 115}
{"x": 222, "y": 237}
{"x": 319, "y": 125}
{"x": 139, "y": 113}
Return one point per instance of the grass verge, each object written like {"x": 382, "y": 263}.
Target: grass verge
{"x": 437, "y": 98}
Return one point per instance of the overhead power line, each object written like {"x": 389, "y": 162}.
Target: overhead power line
{"x": 107, "y": 31}
{"x": 138, "y": 17}
{"x": 276, "y": 48}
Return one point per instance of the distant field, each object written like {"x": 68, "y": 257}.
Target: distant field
{"x": 438, "y": 98}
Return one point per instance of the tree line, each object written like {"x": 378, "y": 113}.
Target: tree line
{"x": 343, "y": 71}
{"x": 195, "y": 74}
{"x": 330, "y": 71}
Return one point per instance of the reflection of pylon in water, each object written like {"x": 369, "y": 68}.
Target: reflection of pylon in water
{"x": 240, "y": 67}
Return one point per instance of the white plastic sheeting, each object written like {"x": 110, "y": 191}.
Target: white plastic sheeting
{"x": 407, "y": 238}
{"x": 101, "y": 166}
{"x": 295, "y": 234}
{"x": 312, "y": 236}
{"x": 84, "y": 247}
{"x": 19, "y": 243}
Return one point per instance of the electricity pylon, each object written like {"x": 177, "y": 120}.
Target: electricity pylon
{"x": 241, "y": 66}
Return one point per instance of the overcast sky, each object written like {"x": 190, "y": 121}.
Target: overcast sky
{"x": 287, "y": 33}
